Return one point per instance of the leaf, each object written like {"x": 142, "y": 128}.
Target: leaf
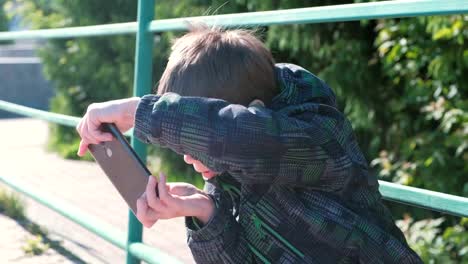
{"x": 462, "y": 149}
{"x": 465, "y": 57}
{"x": 444, "y": 33}
{"x": 428, "y": 161}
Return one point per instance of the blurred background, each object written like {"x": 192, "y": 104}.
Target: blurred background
{"x": 401, "y": 82}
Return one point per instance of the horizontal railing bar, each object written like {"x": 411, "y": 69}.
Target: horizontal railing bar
{"x": 72, "y": 32}
{"x": 335, "y": 13}
{"x": 322, "y": 14}
{"x": 90, "y": 223}
{"x": 436, "y": 201}
{"x": 150, "y": 254}
{"x": 65, "y": 120}
{"x": 40, "y": 114}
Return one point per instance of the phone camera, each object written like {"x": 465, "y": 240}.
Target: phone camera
{"x": 109, "y": 152}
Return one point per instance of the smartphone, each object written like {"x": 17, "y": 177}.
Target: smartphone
{"x": 122, "y": 165}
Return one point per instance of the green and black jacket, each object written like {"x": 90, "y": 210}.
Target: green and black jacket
{"x": 294, "y": 185}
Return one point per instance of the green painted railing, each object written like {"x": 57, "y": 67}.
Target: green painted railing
{"x": 145, "y": 26}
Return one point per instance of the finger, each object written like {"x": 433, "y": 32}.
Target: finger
{"x": 90, "y": 134}
{"x": 78, "y": 126}
{"x": 82, "y": 126}
{"x": 86, "y": 136}
{"x": 82, "y": 148}
{"x": 141, "y": 209}
{"x": 84, "y": 143}
{"x": 142, "y": 206}
{"x": 147, "y": 224}
{"x": 188, "y": 159}
{"x": 162, "y": 187}
{"x": 151, "y": 196}
{"x": 144, "y": 214}
{"x": 152, "y": 215}
{"x": 95, "y": 132}
{"x": 200, "y": 167}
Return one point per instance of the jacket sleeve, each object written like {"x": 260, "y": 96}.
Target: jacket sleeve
{"x": 222, "y": 239}
{"x": 299, "y": 145}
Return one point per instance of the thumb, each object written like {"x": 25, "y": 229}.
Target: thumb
{"x": 162, "y": 188}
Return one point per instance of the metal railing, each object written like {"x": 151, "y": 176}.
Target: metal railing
{"x": 144, "y": 28}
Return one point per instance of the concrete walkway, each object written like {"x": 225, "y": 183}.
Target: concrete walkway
{"x": 14, "y": 237}
{"x": 81, "y": 184}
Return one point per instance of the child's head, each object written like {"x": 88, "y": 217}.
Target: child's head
{"x": 232, "y": 65}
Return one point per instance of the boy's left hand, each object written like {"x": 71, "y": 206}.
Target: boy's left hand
{"x": 175, "y": 200}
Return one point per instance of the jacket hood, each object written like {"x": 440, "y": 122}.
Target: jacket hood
{"x": 299, "y": 86}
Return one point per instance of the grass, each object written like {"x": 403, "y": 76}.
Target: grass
{"x": 12, "y": 205}
{"x": 35, "y": 246}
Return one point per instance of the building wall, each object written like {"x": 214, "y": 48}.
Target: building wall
{"x": 21, "y": 78}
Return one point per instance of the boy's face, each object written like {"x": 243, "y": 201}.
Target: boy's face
{"x": 199, "y": 167}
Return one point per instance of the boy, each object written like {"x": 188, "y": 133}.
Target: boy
{"x": 286, "y": 180}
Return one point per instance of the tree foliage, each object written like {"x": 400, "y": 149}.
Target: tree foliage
{"x": 3, "y": 17}
{"x": 424, "y": 61}
{"x": 435, "y": 244}
{"x": 401, "y": 82}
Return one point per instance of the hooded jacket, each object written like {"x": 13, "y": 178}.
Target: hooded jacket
{"x": 293, "y": 187}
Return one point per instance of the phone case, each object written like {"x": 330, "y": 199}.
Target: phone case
{"x": 121, "y": 165}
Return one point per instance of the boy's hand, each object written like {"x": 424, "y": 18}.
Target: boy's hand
{"x": 175, "y": 200}
{"x": 121, "y": 112}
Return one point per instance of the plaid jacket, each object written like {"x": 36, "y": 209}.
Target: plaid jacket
{"x": 294, "y": 185}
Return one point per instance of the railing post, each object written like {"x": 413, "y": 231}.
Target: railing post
{"x": 141, "y": 86}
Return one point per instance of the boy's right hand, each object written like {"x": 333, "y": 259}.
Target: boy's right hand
{"x": 175, "y": 200}
{"x": 120, "y": 112}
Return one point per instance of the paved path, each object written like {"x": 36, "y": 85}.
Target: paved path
{"x": 14, "y": 237}
{"x": 81, "y": 184}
